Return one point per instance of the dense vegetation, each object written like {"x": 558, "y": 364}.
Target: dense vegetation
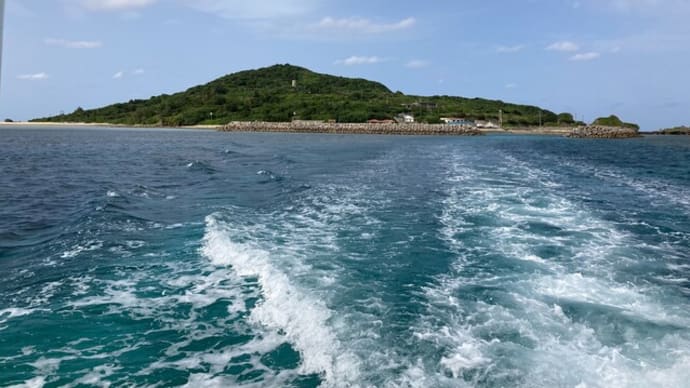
{"x": 614, "y": 121}
{"x": 682, "y": 130}
{"x": 268, "y": 94}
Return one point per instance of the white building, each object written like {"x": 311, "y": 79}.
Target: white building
{"x": 487, "y": 124}
{"x": 404, "y": 118}
{"x": 457, "y": 121}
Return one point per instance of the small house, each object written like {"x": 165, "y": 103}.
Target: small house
{"x": 404, "y": 118}
{"x": 487, "y": 124}
{"x": 458, "y": 121}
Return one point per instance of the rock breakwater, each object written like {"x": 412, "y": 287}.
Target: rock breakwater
{"x": 351, "y": 128}
{"x": 603, "y": 132}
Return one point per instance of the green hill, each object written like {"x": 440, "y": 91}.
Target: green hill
{"x": 681, "y": 130}
{"x": 614, "y": 121}
{"x": 269, "y": 94}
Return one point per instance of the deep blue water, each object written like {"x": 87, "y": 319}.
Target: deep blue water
{"x": 195, "y": 258}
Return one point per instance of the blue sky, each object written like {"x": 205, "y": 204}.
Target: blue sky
{"x": 587, "y": 57}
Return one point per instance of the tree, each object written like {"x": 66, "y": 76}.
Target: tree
{"x": 267, "y": 94}
{"x": 614, "y": 121}
{"x": 566, "y": 118}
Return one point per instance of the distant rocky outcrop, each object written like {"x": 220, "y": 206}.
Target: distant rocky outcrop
{"x": 682, "y": 130}
{"x": 603, "y": 132}
{"x": 614, "y": 121}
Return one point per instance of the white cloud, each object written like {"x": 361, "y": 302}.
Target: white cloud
{"x": 359, "y": 60}
{"x": 509, "y": 49}
{"x": 138, "y": 72}
{"x": 511, "y": 86}
{"x": 116, "y": 5}
{"x": 417, "y": 64}
{"x": 253, "y": 10}
{"x": 585, "y": 56}
{"x": 119, "y": 75}
{"x": 34, "y": 77}
{"x": 359, "y": 25}
{"x": 74, "y": 44}
{"x": 565, "y": 46}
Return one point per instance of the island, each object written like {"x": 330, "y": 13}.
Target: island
{"x": 287, "y": 98}
{"x": 285, "y": 93}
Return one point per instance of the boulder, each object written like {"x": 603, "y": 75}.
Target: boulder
{"x": 603, "y": 132}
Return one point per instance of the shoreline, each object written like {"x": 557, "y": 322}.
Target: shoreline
{"x": 380, "y": 129}
{"x": 99, "y": 125}
{"x": 509, "y": 130}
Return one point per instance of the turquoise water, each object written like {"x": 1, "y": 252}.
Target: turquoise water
{"x": 194, "y": 258}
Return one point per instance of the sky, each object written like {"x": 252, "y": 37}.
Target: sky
{"x": 588, "y": 57}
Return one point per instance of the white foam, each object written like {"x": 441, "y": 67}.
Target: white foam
{"x": 48, "y": 366}
{"x": 88, "y": 246}
{"x": 284, "y": 308}
{"x": 96, "y": 376}
{"x": 467, "y": 356}
{"x": 36, "y": 382}
{"x": 135, "y": 244}
{"x": 653, "y": 188}
{"x": 633, "y": 301}
{"x": 533, "y": 258}
{"x": 566, "y": 353}
{"x": 13, "y": 312}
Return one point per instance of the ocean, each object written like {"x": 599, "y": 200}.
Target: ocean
{"x": 153, "y": 257}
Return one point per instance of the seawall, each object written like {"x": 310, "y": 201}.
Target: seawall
{"x": 351, "y": 128}
{"x": 603, "y": 132}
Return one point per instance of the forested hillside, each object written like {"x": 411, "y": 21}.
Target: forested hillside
{"x": 286, "y": 92}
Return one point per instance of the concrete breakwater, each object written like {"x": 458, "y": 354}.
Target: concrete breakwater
{"x": 351, "y": 128}
{"x": 603, "y": 132}
{"x": 547, "y": 130}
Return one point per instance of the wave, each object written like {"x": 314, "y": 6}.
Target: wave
{"x": 76, "y": 250}
{"x": 13, "y": 312}
{"x": 200, "y": 166}
{"x": 661, "y": 192}
{"x": 533, "y": 282}
{"x": 285, "y": 308}
{"x": 268, "y": 176}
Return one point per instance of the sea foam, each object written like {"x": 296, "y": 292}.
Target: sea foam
{"x": 557, "y": 347}
{"x": 285, "y": 308}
